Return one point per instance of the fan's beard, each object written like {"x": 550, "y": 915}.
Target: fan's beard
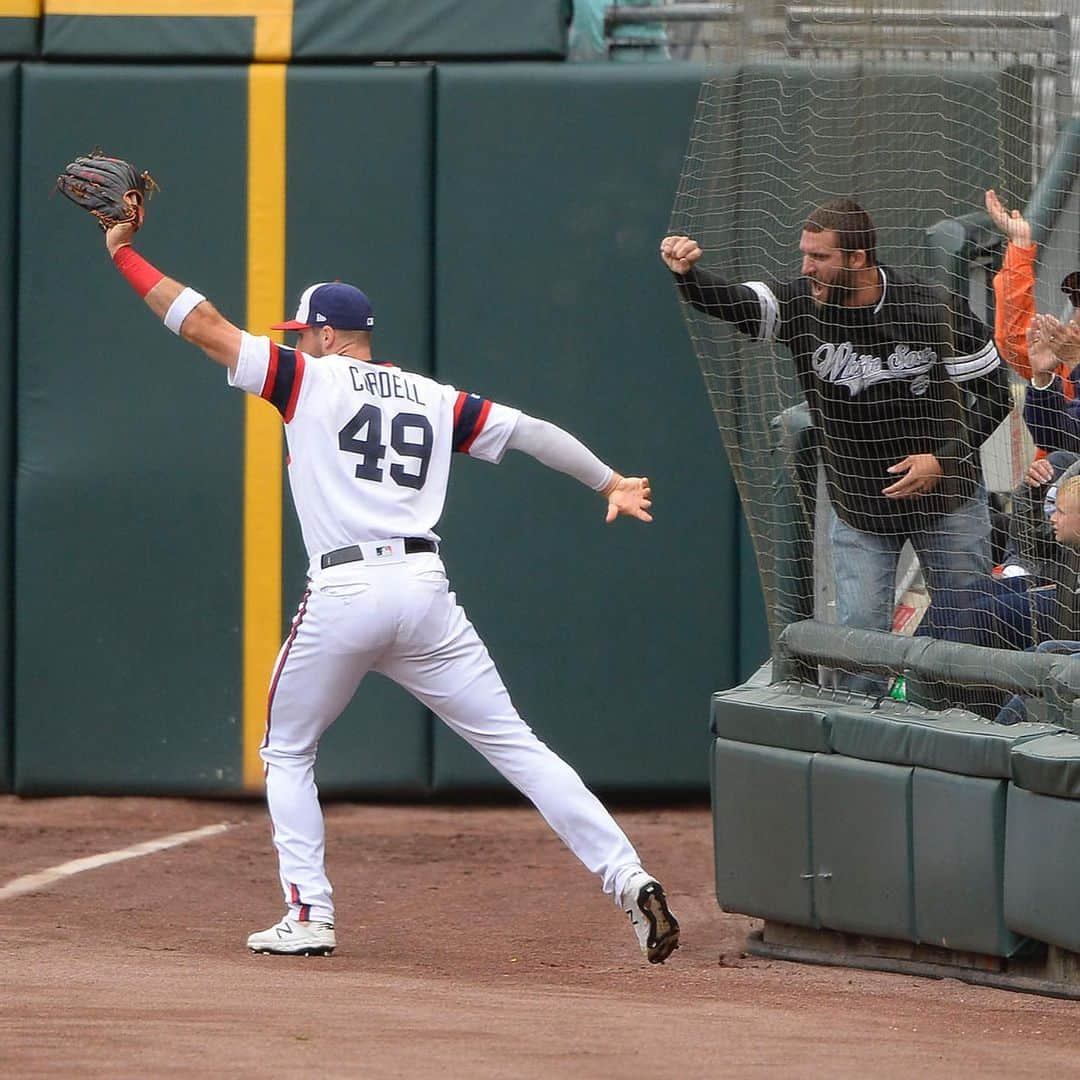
{"x": 834, "y": 293}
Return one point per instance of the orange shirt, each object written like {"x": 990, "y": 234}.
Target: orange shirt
{"x": 1014, "y": 307}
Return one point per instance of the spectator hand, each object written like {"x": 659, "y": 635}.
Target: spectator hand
{"x": 679, "y": 253}
{"x": 1012, "y": 223}
{"x": 1039, "y": 473}
{"x": 1064, "y": 341}
{"x": 1040, "y": 353}
{"x": 921, "y": 474}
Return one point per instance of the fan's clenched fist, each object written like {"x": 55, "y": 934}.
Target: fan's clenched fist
{"x": 679, "y": 253}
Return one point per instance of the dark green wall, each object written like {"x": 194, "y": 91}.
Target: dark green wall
{"x": 505, "y": 220}
{"x": 524, "y": 269}
{"x": 147, "y": 37}
{"x": 129, "y": 494}
{"x": 9, "y": 188}
{"x": 325, "y": 30}
{"x": 428, "y": 29}
{"x": 367, "y": 221}
{"x": 550, "y": 297}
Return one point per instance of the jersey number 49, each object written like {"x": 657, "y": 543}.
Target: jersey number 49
{"x": 411, "y": 437}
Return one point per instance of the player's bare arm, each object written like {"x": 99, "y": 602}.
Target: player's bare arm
{"x": 1012, "y": 223}
{"x": 920, "y": 474}
{"x": 679, "y": 253}
{"x": 203, "y": 325}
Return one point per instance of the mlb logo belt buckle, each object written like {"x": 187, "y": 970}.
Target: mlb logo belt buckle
{"x": 383, "y": 551}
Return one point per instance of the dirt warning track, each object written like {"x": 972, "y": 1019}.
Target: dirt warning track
{"x": 471, "y": 944}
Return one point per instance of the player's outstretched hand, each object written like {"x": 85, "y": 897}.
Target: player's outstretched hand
{"x": 629, "y": 495}
{"x": 1012, "y": 223}
{"x": 679, "y": 253}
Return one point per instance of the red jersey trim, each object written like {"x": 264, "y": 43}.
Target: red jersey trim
{"x": 271, "y": 373}
{"x": 294, "y": 396}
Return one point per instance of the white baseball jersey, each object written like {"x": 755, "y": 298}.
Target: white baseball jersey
{"x": 369, "y": 444}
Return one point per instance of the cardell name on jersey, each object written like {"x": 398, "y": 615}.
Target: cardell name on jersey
{"x": 384, "y": 384}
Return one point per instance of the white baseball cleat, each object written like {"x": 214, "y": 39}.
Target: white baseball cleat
{"x": 291, "y": 937}
{"x": 657, "y": 929}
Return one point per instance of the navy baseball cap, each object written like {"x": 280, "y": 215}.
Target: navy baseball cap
{"x": 331, "y": 303}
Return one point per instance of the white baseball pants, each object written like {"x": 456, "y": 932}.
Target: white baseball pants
{"x": 402, "y": 620}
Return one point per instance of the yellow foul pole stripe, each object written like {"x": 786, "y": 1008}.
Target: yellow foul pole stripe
{"x": 20, "y": 9}
{"x": 273, "y": 18}
{"x": 266, "y": 301}
{"x": 262, "y": 429}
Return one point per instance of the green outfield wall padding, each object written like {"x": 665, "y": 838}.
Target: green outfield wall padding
{"x": 771, "y": 717}
{"x": 19, "y": 36}
{"x": 374, "y": 229}
{"x": 1049, "y": 766}
{"x": 1042, "y": 873}
{"x": 321, "y": 30}
{"x": 951, "y": 741}
{"x": 958, "y": 831}
{"x": 148, "y": 37}
{"x": 553, "y": 189}
{"x": 129, "y": 483}
{"x": 761, "y": 831}
{"x": 861, "y": 837}
{"x": 430, "y": 29}
{"x": 9, "y": 186}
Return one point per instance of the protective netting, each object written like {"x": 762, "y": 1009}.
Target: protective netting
{"x": 843, "y": 311}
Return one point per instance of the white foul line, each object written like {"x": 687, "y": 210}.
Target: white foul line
{"x": 34, "y": 882}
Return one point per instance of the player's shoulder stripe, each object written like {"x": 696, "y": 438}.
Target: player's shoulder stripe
{"x": 470, "y": 414}
{"x": 284, "y": 375}
{"x": 298, "y": 380}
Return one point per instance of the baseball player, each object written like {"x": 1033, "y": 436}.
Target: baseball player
{"x": 369, "y": 459}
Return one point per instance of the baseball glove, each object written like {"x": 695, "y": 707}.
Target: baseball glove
{"x": 108, "y": 188}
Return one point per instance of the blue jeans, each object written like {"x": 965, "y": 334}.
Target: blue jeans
{"x": 1014, "y": 711}
{"x": 953, "y": 551}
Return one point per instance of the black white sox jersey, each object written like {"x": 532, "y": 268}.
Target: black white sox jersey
{"x": 911, "y": 374}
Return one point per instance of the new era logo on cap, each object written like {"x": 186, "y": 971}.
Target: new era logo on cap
{"x": 331, "y": 303}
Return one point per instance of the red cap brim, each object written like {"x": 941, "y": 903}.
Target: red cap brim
{"x": 292, "y": 324}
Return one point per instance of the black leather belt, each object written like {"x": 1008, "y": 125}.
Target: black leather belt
{"x": 413, "y": 545}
